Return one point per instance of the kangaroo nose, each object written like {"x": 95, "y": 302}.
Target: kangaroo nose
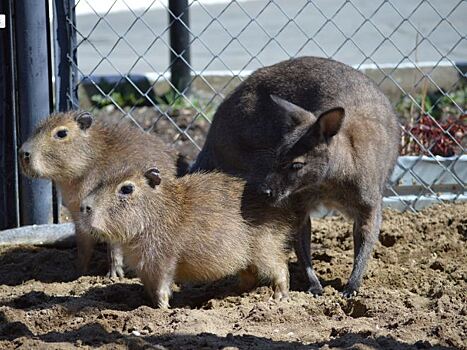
{"x": 266, "y": 190}
{"x": 85, "y": 209}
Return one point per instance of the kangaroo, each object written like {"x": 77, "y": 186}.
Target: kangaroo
{"x": 307, "y": 131}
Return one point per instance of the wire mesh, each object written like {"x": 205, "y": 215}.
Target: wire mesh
{"x": 412, "y": 49}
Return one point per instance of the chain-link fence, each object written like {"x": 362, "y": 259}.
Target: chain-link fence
{"x": 166, "y": 65}
{"x": 412, "y": 49}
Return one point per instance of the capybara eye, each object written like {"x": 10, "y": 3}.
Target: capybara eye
{"x": 297, "y": 165}
{"x": 61, "y": 134}
{"x": 127, "y": 189}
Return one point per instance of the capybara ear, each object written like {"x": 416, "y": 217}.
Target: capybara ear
{"x": 295, "y": 115}
{"x": 330, "y": 122}
{"x": 84, "y": 120}
{"x": 153, "y": 176}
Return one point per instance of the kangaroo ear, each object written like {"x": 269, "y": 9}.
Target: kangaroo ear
{"x": 153, "y": 176}
{"x": 330, "y": 122}
{"x": 84, "y": 120}
{"x": 296, "y": 115}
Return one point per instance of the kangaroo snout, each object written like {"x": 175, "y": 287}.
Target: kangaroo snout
{"x": 266, "y": 190}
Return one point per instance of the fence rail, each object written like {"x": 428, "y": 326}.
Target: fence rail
{"x": 166, "y": 65}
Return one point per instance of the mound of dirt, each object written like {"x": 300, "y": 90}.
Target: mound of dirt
{"x": 414, "y": 296}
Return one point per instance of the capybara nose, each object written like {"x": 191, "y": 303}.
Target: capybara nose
{"x": 85, "y": 209}
{"x": 24, "y": 155}
{"x": 25, "y": 152}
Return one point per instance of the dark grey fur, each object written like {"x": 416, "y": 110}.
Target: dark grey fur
{"x": 333, "y": 124}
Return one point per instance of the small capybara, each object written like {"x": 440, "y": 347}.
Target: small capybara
{"x": 310, "y": 131}
{"x": 73, "y": 148}
{"x": 200, "y": 227}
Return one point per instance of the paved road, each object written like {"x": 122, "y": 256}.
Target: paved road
{"x": 246, "y": 35}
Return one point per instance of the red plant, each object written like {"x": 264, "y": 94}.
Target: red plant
{"x": 442, "y": 138}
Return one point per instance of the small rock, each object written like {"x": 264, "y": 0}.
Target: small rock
{"x": 437, "y": 265}
{"x": 136, "y": 333}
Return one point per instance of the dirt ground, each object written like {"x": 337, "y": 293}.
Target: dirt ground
{"x": 414, "y": 296}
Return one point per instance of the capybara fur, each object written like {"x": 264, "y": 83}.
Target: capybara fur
{"x": 194, "y": 228}
{"x": 73, "y": 148}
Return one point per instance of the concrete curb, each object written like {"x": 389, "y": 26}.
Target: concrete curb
{"x": 404, "y": 76}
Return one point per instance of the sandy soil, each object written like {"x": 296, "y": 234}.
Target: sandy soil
{"x": 414, "y": 296}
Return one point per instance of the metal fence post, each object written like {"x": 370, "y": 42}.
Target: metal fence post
{"x": 9, "y": 214}
{"x": 180, "y": 44}
{"x": 65, "y": 72}
{"x": 65, "y": 68}
{"x": 33, "y": 82}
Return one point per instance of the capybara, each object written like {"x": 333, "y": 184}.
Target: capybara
{"x": 200, "y": 227}
{"x": 73, "y": 148}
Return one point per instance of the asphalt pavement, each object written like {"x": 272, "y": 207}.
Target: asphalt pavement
{"x": 242, "y": 36}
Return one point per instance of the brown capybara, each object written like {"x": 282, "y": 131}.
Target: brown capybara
{"x": 310, "y": 131}
{"x": 72, "y": 149}
{"x": 199, "y": 227}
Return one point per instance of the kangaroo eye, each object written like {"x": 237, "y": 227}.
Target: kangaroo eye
{"x": 127, "y": 189}
{"x": 61, "y": 134}
{"x": 297, "y": 165}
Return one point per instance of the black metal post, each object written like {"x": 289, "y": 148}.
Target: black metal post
{"x": 65, "y": 70}
{"x": 32, "y": 64}
{"x": 180, "y": 43}
{"x": 9, "y": 208}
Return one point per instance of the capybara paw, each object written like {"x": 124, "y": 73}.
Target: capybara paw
{"x": 279, "y": 297}
{"x": 116, "y": 271}
{"x": 281, "y": 294}
{"x": 163, "y": 304}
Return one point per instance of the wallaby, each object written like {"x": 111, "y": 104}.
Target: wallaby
{"x": 307, "y": 131}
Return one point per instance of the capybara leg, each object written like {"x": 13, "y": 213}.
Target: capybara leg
{"x": 280, "y": 283}
{"x": 365, "y": 233}
{"x": 85, "y": 244}
{"x": 302, "y": 249}
{"x": 158, "y": 283}
{"x": 115, "y": 257}
{"x": 158, "y": 290}
{"x": 271, "y": 264}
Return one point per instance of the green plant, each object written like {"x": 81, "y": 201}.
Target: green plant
{"x": 437, "y": 105}
{"x": 172, "y": 102}
{"x": 122, "y": 100}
